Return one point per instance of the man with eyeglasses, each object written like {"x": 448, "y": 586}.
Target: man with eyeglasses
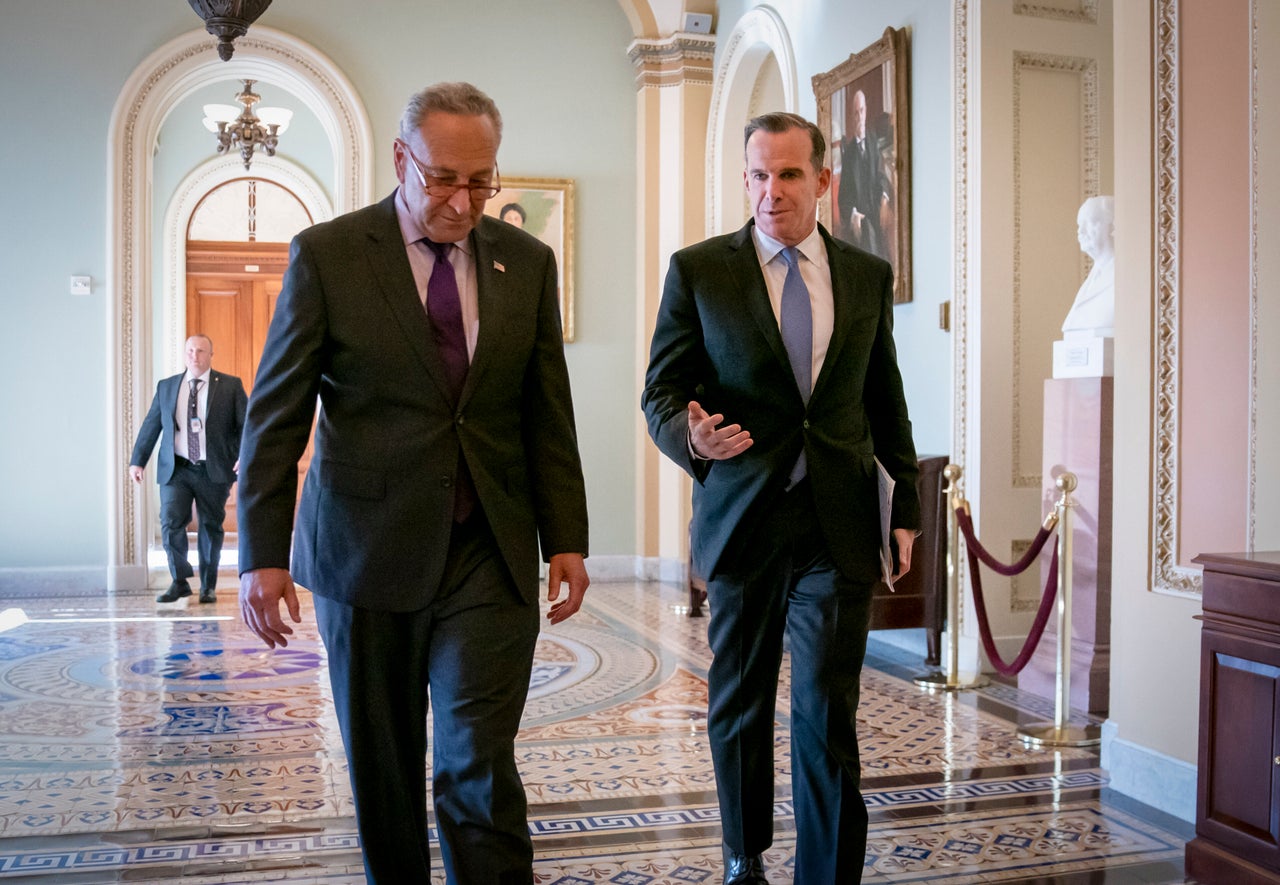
{"x": 445, "y": 452}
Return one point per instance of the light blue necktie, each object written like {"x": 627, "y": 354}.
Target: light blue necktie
{"x": 797, "y": 336}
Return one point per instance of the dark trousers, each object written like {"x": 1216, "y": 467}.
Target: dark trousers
{"x": 789, "y": 583}
{"x": 473, "y": 646}
{"x": 190, "y": 482}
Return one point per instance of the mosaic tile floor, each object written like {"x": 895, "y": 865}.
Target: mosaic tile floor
{"x": 145, "y": 743}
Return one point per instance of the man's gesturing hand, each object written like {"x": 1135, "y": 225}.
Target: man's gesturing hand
{"x": 711, "y": 441}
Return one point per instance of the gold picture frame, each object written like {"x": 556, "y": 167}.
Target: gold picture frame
{"x": 869, "y": 201}
{"x": 544, "y": 208}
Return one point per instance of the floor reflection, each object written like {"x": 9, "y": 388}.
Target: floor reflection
{"x": 147, "y": 742}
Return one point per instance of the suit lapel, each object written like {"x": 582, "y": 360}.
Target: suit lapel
{"x": 744, "y": 266}
{"x": 492, "y": 297}
{"x": 390, "y": 265}
{"x": 847, "y": 286}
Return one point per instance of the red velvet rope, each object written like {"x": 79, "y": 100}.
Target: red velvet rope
{"x": 975, "y": 551}
{"x": 966, "y": 526}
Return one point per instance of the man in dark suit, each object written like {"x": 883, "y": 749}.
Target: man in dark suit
{"x": 445, "y": 451}
{"x": 774, "y": 382}
{"x": 863, "y": 190}
{"x": 197, "y": 416}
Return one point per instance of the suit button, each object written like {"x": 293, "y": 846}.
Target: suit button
{"x": 461, "y": 419}
{"x": 446, "y": 482}
{"x": 806, "y": 424}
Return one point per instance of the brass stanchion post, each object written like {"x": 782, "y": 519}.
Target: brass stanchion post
{"x": 1060, "y": 733}
{"x": 951, "y": 681}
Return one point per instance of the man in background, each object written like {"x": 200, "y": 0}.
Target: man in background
{"x": 197, "y": 416}
{"x": 445, "y": 452}
{"x": 863, "y": 190}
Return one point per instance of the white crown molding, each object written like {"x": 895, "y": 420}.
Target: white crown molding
{"x": 1086, "y": 12}
{"x": 760, "y": 33}
{"x": 166, "y": 77}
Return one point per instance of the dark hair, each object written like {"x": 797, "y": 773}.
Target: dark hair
{"x": 781, "y": 121}
{"x": 449, "y": 98}
{"x": 516, "y": 206}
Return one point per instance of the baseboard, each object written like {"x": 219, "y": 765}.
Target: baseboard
{"x": 41, "y": 583}
{"x": 1149, "y": 776}
{"x": 607, "y": 569}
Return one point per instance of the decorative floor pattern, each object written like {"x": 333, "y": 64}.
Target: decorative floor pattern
{"x": 142, "y": 743}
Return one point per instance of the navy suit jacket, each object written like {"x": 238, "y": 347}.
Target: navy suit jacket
{"x": 717, "y": 341}
{"x": 375, "y": 517}
{"x": 224, "y": 421}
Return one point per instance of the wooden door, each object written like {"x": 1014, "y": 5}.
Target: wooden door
{"x": 231, "y": 296}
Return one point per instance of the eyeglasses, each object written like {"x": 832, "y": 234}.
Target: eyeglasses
{"x": 444, "y": 189}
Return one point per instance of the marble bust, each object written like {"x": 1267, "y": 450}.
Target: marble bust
{"x": 1093, "y": 312}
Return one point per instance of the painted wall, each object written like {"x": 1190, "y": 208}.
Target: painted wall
{"x": 1150, "y": 741}
{"x": 72, "y": 58}
{"x": 822, "y": 39}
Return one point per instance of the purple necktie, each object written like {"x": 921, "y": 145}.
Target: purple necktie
{"x": 444, "y": 310}
{"x": 193, "y": 422}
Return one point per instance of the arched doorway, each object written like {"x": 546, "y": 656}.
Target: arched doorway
{"x": 170, "y": 74}
{"x": 756, "y": 74}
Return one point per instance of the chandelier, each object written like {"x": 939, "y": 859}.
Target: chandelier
{"x": 245, "y": 129}
{"x": 228, "y": 19}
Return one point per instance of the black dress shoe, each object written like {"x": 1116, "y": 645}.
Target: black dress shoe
{"x": 743, "y": 869}
{"x": 207, "y": 595}
{"x": 176, "y": 591}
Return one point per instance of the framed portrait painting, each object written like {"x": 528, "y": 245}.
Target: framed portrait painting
{"x": 864, "y": 113}
{"x": 544, "y": 208}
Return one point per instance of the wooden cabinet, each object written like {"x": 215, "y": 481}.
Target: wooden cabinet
{"x": 1238, "y": 781}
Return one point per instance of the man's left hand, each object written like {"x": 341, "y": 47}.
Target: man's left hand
{"x": 905, "y": 538}
{"x": 566, "y": 568}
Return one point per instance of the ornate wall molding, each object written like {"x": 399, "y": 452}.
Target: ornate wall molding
{"x": 1086, "y": 12}
{"x": 960, "y": 200}
{"x": 960, "y": 234}
{"x": 1254, "y": 333}
{"x": 1086, "y": 70}
{"x": 673, "y": 61}
{"x": 163, "y": 79}
{"x": 177, "y": 218}
{"x": 1167, "y": 576}
{"x": 757, "y": 35}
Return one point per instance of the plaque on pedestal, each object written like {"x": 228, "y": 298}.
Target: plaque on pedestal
{"x": 1083, "y": 356}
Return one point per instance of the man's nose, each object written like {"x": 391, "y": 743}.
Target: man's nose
{"x": 460, "y": 202}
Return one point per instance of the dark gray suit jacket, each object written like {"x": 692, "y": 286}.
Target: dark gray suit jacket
{"x": 225, "y": 406}
{"x": 717, "y": 342}
{"x": 375, "y": 517}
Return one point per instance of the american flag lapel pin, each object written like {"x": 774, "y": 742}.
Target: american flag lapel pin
{"x": 497, "y": 265}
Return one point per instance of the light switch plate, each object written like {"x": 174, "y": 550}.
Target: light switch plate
{"x": 80, "y": 285}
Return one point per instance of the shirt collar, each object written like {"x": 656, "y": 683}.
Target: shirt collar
{"x": 767, "y": 248}
{"x": 187, "y": 376}
{"x": 410, "y": 230}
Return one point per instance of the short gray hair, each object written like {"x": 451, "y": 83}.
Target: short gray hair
{"x": 449, "y": 98}
{"x": 779, "y": 122}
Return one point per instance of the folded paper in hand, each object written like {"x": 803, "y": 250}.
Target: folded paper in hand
{"x": 886, "y": 512}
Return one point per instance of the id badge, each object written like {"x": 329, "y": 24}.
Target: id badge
{"x": 195, "y": 425}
